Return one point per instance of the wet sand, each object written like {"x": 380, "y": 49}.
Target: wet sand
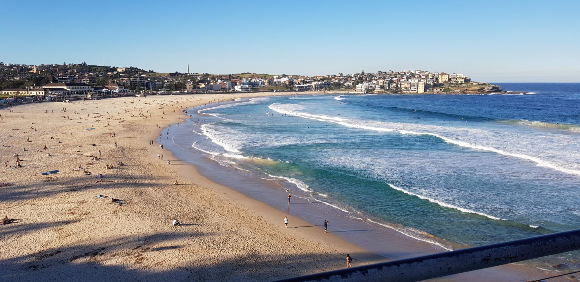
{"x": 63, "y": 230}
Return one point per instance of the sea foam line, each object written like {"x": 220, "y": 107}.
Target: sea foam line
{"x": 299, "y": 184}
{"x": 225, "y": 154}
{"x": 409, "y": 233}
{"x": 538, "y": 161}
{"x": 216, "y": 140}
{"x": 542, "y": 124}
{"x": 195, "y": 146}
{"x": 334, "y": 206}
{"x": 251, "y": 101}
{"x": 350, "y": 123}
{"x": 443, "y": 204}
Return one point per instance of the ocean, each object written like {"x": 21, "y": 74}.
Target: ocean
{"x": 451, "y": 170}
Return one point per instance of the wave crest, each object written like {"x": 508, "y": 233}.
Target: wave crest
{"x": 541, "y": 124}
{"x": 444, "y": 204}
{"x": 431, "y": 130}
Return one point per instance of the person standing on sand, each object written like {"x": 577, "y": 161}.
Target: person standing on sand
{"x": 289, "y": 195}
{"x": 325, "y": 226}
{"x": 348, "y": 261}
{"x": 286, "y": 221}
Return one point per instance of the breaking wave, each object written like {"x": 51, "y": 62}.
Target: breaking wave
{"x": 415, "y": 129}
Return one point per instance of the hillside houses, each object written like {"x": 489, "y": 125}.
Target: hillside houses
{"x": 83, "y": 80}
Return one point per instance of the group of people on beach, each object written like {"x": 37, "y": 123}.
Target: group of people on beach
{"x": 325, "y": 224}
{"x": 286, "y": 218}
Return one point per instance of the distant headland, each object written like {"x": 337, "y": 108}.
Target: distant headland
{"x": 69, "y": 81}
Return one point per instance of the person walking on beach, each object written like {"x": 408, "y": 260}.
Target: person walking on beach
{"x": 286, "y": 221}
{"x": 289, "y": 195}
{"x": 325, "y": 226}
{"x": 348, "y": 261}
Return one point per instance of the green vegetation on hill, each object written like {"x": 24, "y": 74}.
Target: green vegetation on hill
{"x": 35, "y": 80}
{"x": 250, "y": 75}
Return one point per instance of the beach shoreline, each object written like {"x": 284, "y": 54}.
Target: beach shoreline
{"x": 63, "y": 228}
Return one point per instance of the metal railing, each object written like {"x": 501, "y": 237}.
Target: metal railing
{"x": 454, "y": 262}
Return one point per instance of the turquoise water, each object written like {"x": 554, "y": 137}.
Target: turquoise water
{"x": 470, "y": 169}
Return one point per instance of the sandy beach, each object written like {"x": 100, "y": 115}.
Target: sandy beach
{"x": 91, "y": 200}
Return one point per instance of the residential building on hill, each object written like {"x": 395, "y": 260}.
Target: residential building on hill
{"x": 443, "y": 77}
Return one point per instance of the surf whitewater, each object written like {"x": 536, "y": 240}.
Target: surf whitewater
{"x": 469, "y": 170}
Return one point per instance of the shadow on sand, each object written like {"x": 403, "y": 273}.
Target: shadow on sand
{"x": 82, "y": 262}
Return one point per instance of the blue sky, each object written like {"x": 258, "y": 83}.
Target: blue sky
{"x": 497, "y": 41}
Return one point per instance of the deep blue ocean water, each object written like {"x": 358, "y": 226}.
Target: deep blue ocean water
{"x": 469, "y": 169}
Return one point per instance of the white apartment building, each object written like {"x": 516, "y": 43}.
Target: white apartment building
{"x": 420, "y": 87}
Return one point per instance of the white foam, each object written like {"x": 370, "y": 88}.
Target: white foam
{"x": 213, "y": 115}
{"x": 538, "y": 161}
{"x": 412, "y": 233}
{"x": 196, "y": 132}
{"x": 224, "y": 162}
{"x": 299, "y": 184}
{"x": 444, "y": 204}
{"x": 542, "y": 124}
{"x": 234, "y": 156}
{"x": 224, "y": 154}
{"x": 334, "y": 206}
{"x": 200, "y": 111}
{"x": 213, "y": 136}
{"x": 197, "y": 147}
{"x": 231, "y": 105}
{"x": 338, "y": 98}
{"x": 433, "y": 130}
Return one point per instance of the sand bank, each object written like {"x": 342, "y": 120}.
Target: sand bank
{"x": 73, "y": 225}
